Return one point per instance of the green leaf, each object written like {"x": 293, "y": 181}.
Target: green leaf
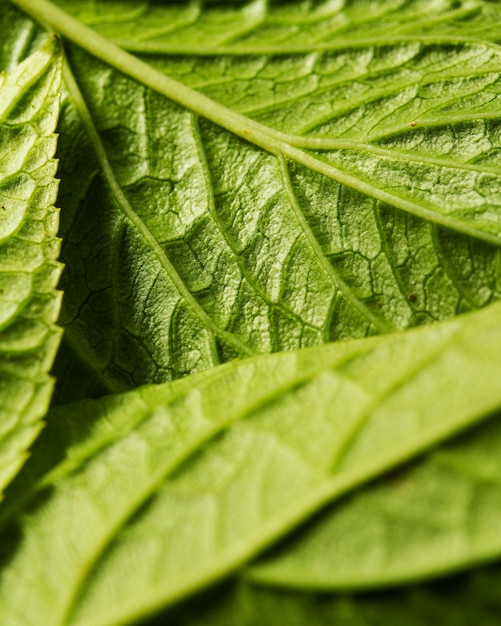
{"x": 279, "y": 180}
{"x": 29, "y": 271}
{"x": 161, "y": 491}
{"x": 440, "y": 515}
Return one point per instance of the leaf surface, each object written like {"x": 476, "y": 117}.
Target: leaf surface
{"x": 260, "y": 177}
{"x": 29, "y": 271}
{"x": 163, "y": 490}
{"x": 251, "y": 197}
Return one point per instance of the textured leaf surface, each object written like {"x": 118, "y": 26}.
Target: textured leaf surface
{"x": 304, "y": 201}
{"x": 153, "y": 504}
{"x": 29, "y": 302}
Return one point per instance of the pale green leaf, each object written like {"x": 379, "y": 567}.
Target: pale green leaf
{"x": 298, "y": 182}
{"x": 133, "y": 502}
{"x": 29, "y": 271}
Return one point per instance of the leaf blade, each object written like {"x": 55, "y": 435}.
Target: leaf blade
{"x": 279, "y": 265}
{"x": 29, "y": 271}
{"x": 305, "y": 463}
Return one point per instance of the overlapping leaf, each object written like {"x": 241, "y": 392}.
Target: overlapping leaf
{"x": 297, "y": 430}
{"x": 29, "y": 302}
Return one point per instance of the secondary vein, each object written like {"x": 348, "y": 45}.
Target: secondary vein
{"x": 141, "y": 227}
{"x": 380, "y": 324}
